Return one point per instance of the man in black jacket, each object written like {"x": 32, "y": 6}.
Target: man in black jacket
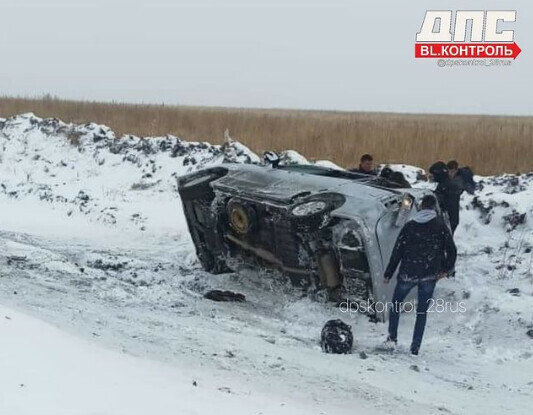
{"x": 451, "y": 185}
{"x": 426, "y": 253}
{"x": 464, "y": 176}
{"x": 366, "y": 166}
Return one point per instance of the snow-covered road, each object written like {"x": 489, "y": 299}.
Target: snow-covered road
{"x": 45, "y": 371}
{"x": 94, "y": 242}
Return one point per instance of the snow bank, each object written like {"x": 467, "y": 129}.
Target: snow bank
{"x": 86, "y": 173}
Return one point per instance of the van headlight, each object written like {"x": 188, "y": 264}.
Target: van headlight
{"x": 405, "y": 209}
{"x": 311, "y": 207}
{"x": 407, "y": 202}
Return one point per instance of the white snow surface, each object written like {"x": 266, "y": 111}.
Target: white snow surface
{"x": 102, "y": 308}
{"x": 45, "y": 371}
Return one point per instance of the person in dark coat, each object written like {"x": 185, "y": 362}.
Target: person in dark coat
{"x": 425, "y": 253}
{"x": 452, "y": 182}
{"x": 448, "y": 192}
{"x": 464, "y": 176}
{"x": 366, "y": 166}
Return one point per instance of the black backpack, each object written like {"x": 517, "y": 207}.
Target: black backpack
{"x": 336, "y": 337}
{"x": 467, "y": 176}
{"x": 439, "y": 171}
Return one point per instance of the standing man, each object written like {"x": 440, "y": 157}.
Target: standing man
{"x": 366, "y": 166}
{"x": 448, "y": 192}
{"x": 453, "y": 168}
{"x": 426, "y": 253}
{"x": 464, "y": 176}
{"x": 452, "y": 182}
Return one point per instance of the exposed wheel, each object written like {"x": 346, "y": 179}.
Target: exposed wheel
{"x": 241, "y": 216}
{"x": 310, "y": 214}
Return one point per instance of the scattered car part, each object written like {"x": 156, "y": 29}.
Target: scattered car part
{"x": 227, "y": 296}
{"x": 336, "y": 337}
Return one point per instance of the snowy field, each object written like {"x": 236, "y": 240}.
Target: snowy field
{"x": 102, "y": 308}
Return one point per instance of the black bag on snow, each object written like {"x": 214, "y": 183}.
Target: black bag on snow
{"x": 336, "y": 337}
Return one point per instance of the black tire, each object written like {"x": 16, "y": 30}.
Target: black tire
{"x": 336, "y": 337}
{"x": 314, "y": 218}
{"x": 330, "y": 202}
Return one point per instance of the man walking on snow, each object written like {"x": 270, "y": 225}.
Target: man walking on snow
{"x": 426, "y": 253}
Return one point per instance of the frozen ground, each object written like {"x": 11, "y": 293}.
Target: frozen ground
{"x": 93, "y": 242}
{"x": 45, "y": 371}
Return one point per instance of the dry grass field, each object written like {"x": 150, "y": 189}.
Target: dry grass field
{"x": 489, "y": 144}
